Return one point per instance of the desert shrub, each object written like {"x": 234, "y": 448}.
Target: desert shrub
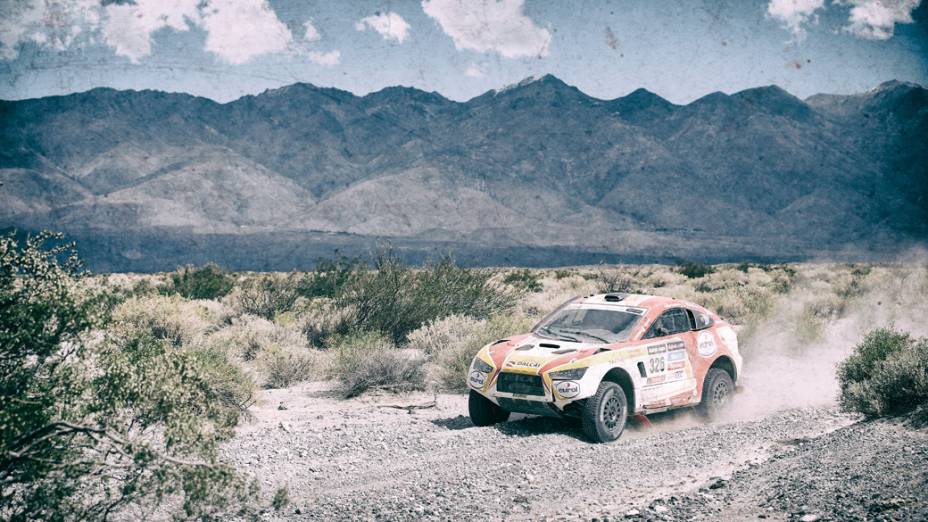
{"x": 563, "y": 274}
{"x": 328, "y": 277}
{"x": 78, "y": 415}
{"x": 284, "y": 365}
{"x": 319, "y": 320}
{"x": 887, "y": 375}
{"x": 694, "y": 269}
{"x": 207, "y": 282}
{"x": 248, "y": 336}
{"x": 281, "y": 498}
{"x": 367, "y": 360}
{"x": 524, "y": 279}
{"x": 615, "y": 281}
{"x": 744, "y": 267}
{"x": 453, "y": 359}
{"x": 227, "y": 382}
{"x": 395, "y": 300}
{"x": 436, "y": 335}
{"x": 739, "y": 305}
{"x": 267, "y": 295}
{"x": 170, "y": 318}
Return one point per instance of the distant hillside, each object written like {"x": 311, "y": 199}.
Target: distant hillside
{"x": 536, "y": 173}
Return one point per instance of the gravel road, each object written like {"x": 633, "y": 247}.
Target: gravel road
{"x": 364, "y": 460}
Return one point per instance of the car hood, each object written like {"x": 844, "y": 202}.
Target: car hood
{"x": 533, "y": 354}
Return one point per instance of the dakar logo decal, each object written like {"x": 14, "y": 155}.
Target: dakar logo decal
{"x": 705, "y": 345}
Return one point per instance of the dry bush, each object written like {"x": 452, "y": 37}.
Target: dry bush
{"x": 887, "y": 375}
{"x": 369, "y": 360}
{"x": 615, "y": 280}
{"x": 266, "y": 295}
{"x": 319, "y": 320}
{"x": 452, "y": 361}
{"x": 436, "y": 335}
{"x": 283, "y": 365}
{"x": 249, "y": 335}
{"x": 556, "y": 292}
{"x": 395, "y": 300}
{"x": 739, "y": 305}
{"x": 171, "y": 318}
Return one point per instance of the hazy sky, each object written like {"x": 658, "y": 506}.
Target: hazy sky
{"x": 680, "y": 49}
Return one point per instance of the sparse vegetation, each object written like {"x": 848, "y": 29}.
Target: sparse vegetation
{"x": 395, "y": 300}
{"x": 694, "y": 269}
{"x": 525, "y": 280}
{"x": 206, "y": 282}
{"x": 887, "y": 375}
{"x": 181, "y": 355}
{"x": 367, "y": 360}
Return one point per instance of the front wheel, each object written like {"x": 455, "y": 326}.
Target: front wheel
{"x": 717, "y": 392}
{"x": 605, "y": 413}
{"x": 483, "y": 411}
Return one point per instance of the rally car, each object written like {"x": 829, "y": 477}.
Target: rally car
{"x": 601, "y": 358}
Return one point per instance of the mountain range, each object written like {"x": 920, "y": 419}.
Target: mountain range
{"x": 536, "y": 173}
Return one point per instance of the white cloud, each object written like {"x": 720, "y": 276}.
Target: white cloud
{"x": 311, "y": 34}
{"x": 390, "y": 25}
{"x": 877, "y": 19}
{"x": 327, "y": 59}
{"x": 128, "y": 27}
{"x": 474, "y": 71}
{"x": 236, "y": 30}
{"x": 794, "y": 15}
{"x": 239, "y": 30}
{"x": 56, "y": 24}
{"x": 490, "y": 26}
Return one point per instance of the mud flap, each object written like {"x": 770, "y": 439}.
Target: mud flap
{"x": 642, "y": 421}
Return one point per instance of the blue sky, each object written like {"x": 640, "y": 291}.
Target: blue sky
{"x": 681, "y": 50}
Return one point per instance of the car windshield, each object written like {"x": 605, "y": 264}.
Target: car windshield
{"x": 586, "y": 324}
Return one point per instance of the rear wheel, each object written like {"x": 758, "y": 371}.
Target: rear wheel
{"x": 717, "y": 392}
{"x": 605, "y": 413}
{"x": 483, "y": 411}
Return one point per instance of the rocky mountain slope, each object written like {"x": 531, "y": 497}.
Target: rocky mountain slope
{"x": 151, "y": 179}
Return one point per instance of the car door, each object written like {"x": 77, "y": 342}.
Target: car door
{"x": 668, "y": 363}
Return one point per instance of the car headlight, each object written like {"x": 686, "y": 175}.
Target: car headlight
{"x": 481, "y": 366}
{"x": 568, "y": 375}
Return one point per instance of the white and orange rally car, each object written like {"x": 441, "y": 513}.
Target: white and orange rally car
{"x": 602, "y": 357}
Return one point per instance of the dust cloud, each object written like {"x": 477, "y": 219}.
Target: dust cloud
{"x": 791, "y": 357}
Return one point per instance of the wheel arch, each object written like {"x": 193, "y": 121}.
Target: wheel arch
{"x": 726, "y": 363}
{"x": 621, "y": 377}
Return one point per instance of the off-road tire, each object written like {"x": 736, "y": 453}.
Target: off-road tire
{"x": 717, "y": 392}
{"x": 483, "y": 411}
{"x": 605, "y": 413}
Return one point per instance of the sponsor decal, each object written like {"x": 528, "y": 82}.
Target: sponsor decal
{"x": 676, "y": 376}
{"x": 524, "y": 364}
{"x": 705, "y": 344}
{"x": 675, "y": 345}
{"x": 660, "y": 348}
{"x": 676, "y": 365}
{"x": 656, "y": 380}
{"x": 567, "y": 389}
{"x": 676, "y": 355}
{"x": 477, "y": 379}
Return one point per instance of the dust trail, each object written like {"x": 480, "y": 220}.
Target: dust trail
{"x": 792, "y": 356}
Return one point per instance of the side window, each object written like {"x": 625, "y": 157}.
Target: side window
{"x": 701, "y": 320}
{"x": 670, "y": 322}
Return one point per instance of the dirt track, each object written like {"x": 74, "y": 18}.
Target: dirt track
{"x": 361, "y": 459}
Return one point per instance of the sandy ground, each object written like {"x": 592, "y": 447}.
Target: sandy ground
{"x": 362, "y": 459}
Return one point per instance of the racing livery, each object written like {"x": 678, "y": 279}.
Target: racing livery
{"x": 603, "y": 357}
